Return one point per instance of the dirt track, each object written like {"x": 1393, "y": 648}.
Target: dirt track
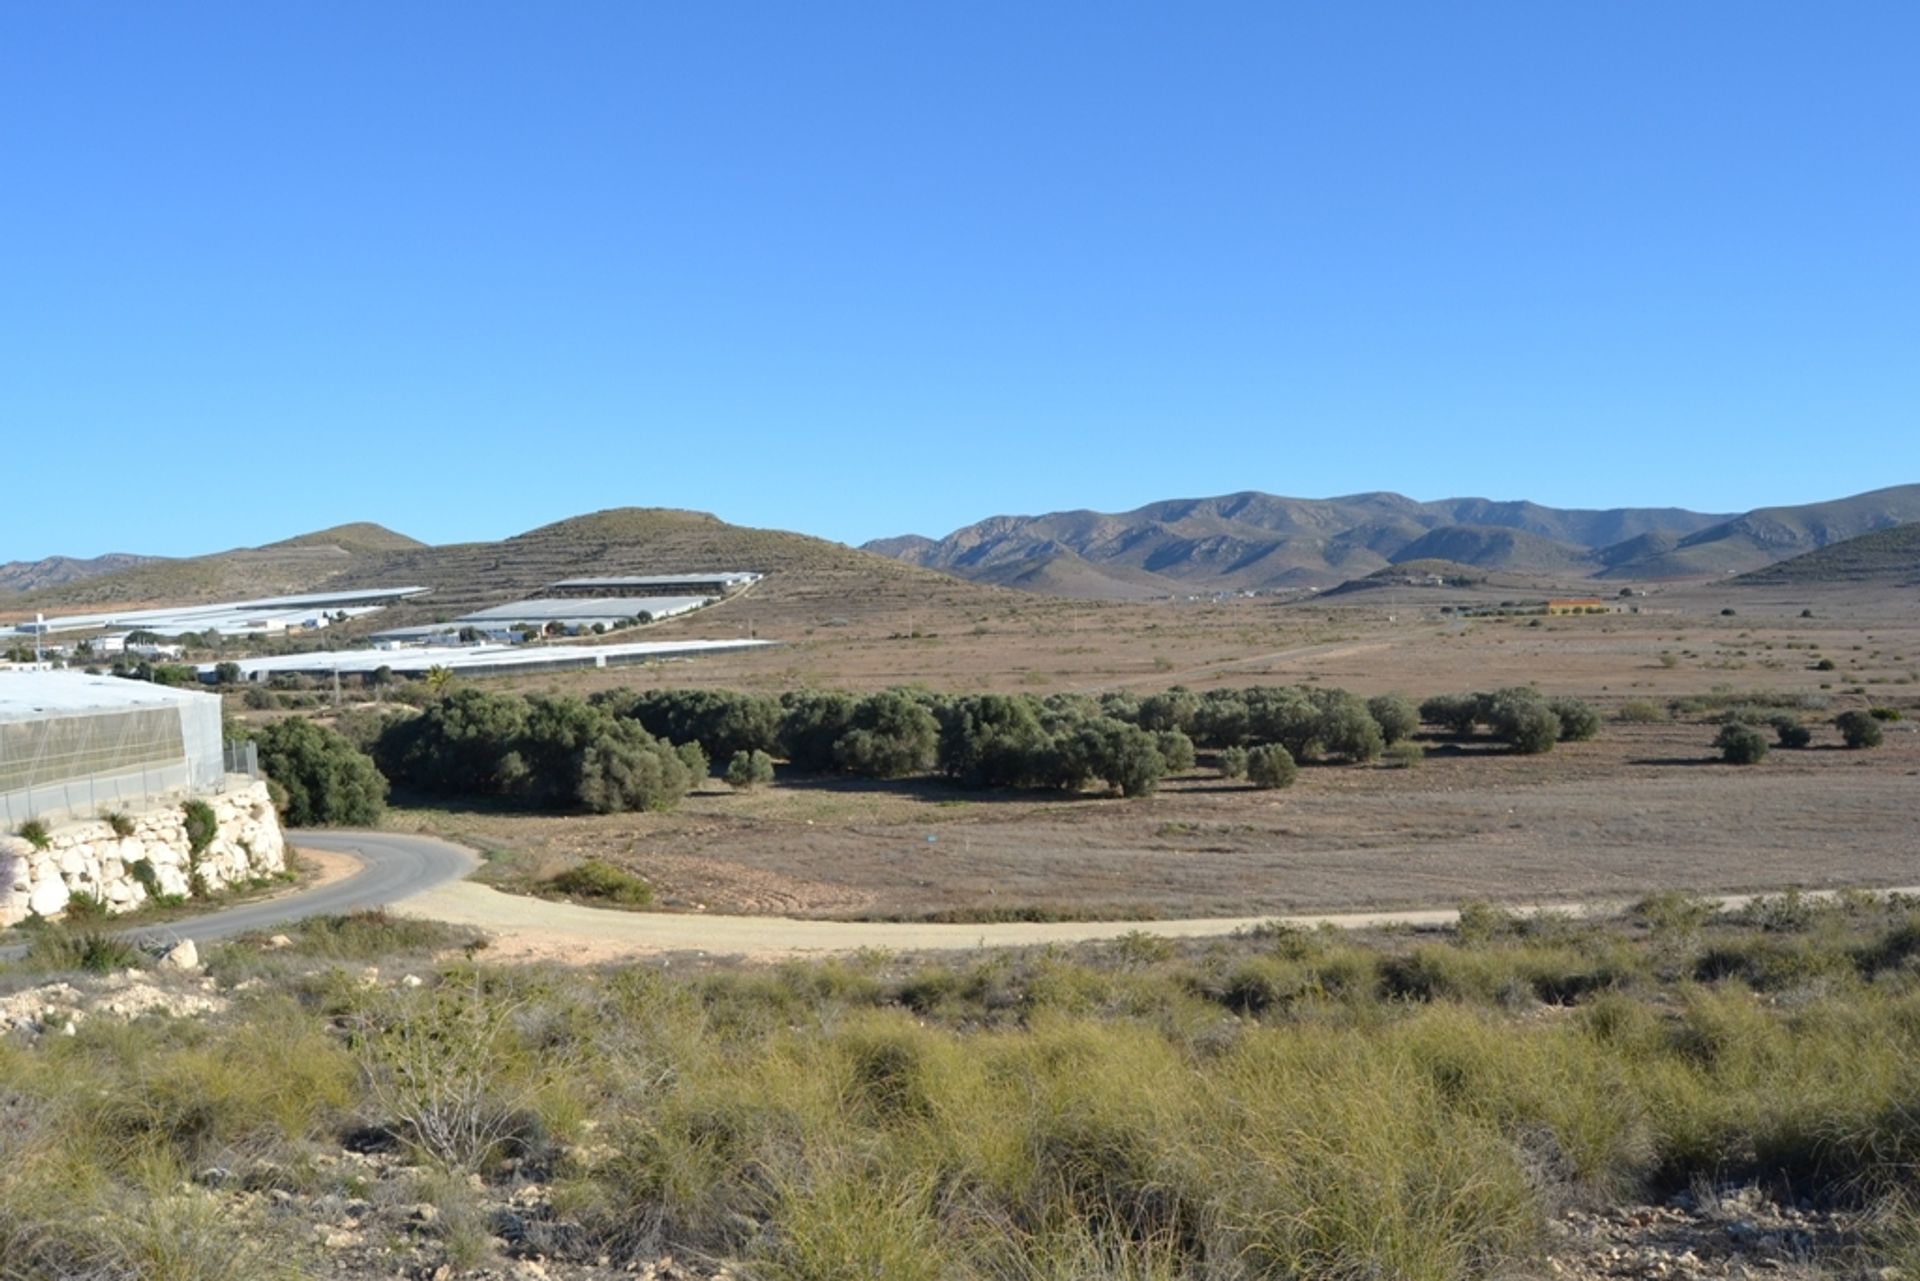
{"x": 537, "y": 929}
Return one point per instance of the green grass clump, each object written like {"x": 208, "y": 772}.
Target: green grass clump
{"x": 601, "y": 882}
{"x": 372, "y": 935}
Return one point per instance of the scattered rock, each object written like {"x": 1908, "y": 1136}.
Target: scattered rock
{"x": 182, "y": 956}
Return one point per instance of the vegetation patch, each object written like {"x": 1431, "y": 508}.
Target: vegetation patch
{"x": 601, "y": 882}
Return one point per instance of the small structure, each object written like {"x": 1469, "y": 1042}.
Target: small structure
{"x": 1578, "y": 605}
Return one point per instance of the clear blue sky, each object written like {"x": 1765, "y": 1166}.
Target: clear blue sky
{"x": 464, "y": 268}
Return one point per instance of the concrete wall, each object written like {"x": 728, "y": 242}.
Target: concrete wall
{"x": 90, "y": 857}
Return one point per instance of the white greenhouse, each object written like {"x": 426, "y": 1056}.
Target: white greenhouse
{"x": 73, "y": 744}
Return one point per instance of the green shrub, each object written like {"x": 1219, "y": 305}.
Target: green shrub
{"x": 1233, "y": 762}
{"x": 328, "y": 781}
{"x": 1884, "y": 713}
{"x": 1404, "y": 755}
{"x": 1791, "y": 733}
{"x": 1396, "y": 715}
{"x": 1578, "y": 720}
{"x": 1640, "y": 711}
{"x": 1741, "y": 745}
{"x": 1271, "y": 766}
{"x": 35, "y": 833}
{"x": 143, "y": 873}
{"x": 749, "y": 769}
{"x": 1858, "y": 729}
{"x": 371, "y": 935}
{"x": 121, "y": 822}
{"x": 55, "y": 948}
{"x": 1522, "y": 719}
{"x": 603, "y": 882}
{"x": 1176, "y": 750}
{"x": 202, "y": 826}
{"x": 85, "y": 909}
{"x": 1455, "y": 713}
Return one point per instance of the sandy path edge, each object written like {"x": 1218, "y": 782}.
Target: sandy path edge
{"x": 524, "y": 928}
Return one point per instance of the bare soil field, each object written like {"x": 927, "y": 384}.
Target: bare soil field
{"x": 1644, "y": 807}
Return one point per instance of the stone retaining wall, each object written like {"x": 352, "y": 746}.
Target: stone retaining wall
{"x": 90, "y": 857}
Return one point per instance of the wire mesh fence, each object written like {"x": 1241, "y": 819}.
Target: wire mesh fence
{"x": 84, "y": 765}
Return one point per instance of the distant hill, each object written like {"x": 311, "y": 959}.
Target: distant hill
{"x": 1488, "y": 547}
{"x": 1770, "y": 534}
{"x": 291, "y": 565}
{"x": 361, "y": 536}
{"x": 1886, "y": 557}
{"x": 812, "y": 582}
{"x": 1258, "y": 541}
{"x": 31, "y": 575}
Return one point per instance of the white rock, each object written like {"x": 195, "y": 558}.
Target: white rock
{"x": 181, "y": 956}
{"x": 49, "y": 897}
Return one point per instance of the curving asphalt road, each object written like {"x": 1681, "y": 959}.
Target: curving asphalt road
{"x": 392, "y": 868}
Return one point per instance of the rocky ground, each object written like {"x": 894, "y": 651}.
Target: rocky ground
{"x": 177, "y": 988}
{"x": 1734, "y": 1233}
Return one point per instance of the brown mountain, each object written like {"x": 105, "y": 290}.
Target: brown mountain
{"x": 291, "y": 565}
{"x": 1253, "y": 540}
{"x": 30, "y": 575}
{"x": 1259, "y": 541}
{"x": 1769, "y": 534}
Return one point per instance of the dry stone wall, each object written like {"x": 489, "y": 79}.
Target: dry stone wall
{"x": 91, "y": 858}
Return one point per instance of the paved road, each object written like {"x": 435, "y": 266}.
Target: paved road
{"x": 393, "y": 868}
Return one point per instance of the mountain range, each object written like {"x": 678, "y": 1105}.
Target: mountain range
{"x": 1238, "y": 542}
{"x": 1253, "y": 541}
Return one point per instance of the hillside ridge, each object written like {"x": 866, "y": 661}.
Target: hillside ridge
{"x": 1255, "y": 541}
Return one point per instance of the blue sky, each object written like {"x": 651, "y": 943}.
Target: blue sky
{"x": 464, "y": 268}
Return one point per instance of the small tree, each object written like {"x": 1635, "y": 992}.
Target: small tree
{"x": 1578, "y": 720}
{"x": 1271, "y": 765}
{"x": 1176, "y": 750}
{"x": 1858, "y": 729}
{"x": 1523, "y": 720}
{"x": 749, "y": 769}
{"x": 1455, "y": 713}
{"x": 1791, "y": 733}
{"x": 1233, "y": 762}
{"x": 1741, "y": 745}
{"x": 1396, "y": 715}
{"x": 327, "y": 779}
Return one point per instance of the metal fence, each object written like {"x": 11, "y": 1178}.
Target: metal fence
{"x": 79, "y": 766}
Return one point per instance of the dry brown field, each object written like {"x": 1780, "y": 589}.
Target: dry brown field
{"x": 1644, "y": 807}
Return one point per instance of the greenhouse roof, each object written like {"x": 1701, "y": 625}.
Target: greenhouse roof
{"x": 31, "y": 696}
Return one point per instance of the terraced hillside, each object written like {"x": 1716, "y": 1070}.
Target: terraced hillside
{"x": 1886, "y": 557}
{"x": 812, "y": 582}
{"x": 297, "y": 564}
